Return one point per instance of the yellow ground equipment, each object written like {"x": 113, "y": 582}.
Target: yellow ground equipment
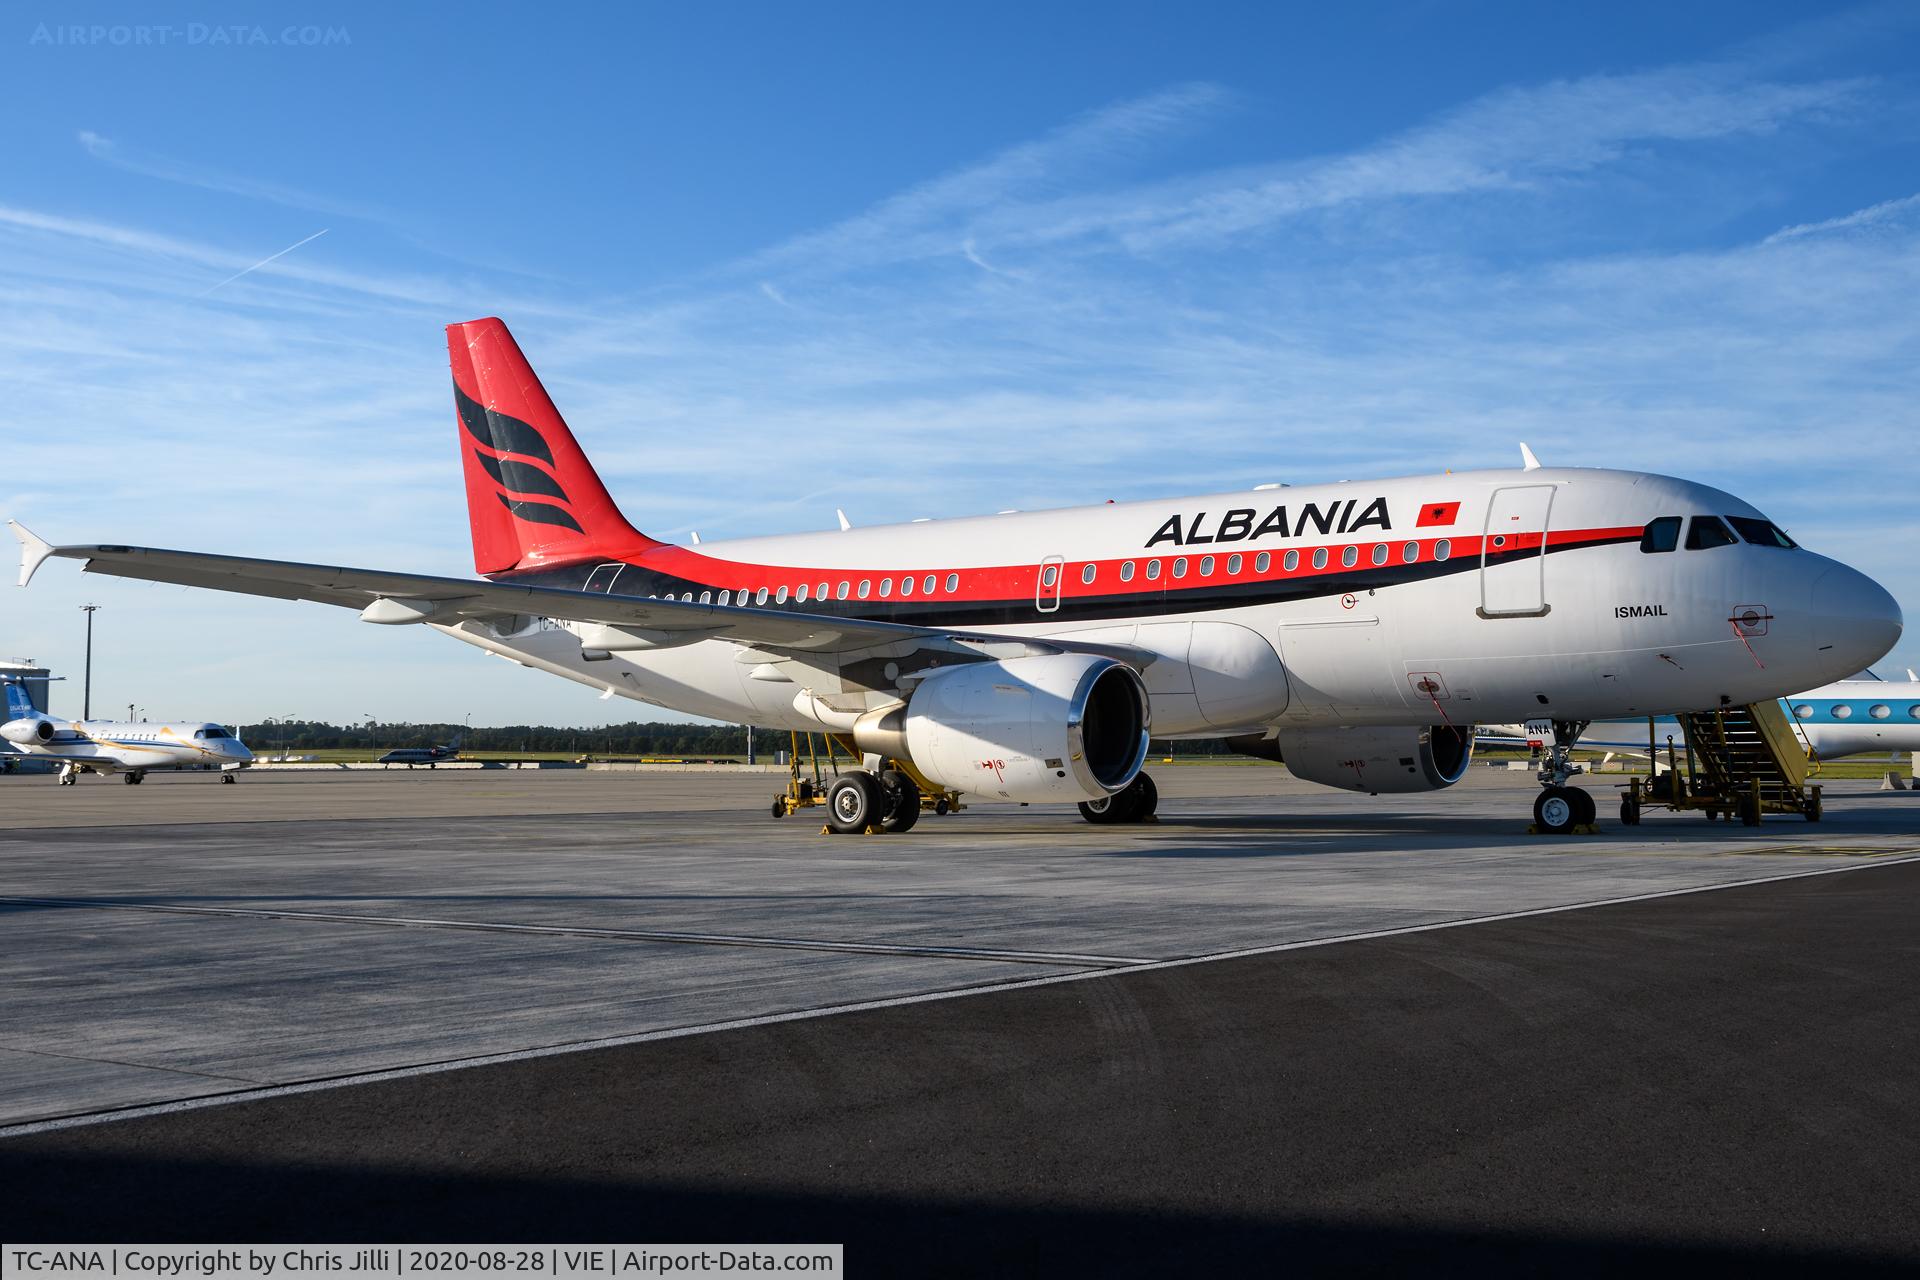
{"x": 808, "y": 782}
{"x": 1743, "y": 761}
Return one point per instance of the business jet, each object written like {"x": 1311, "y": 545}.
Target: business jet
{"x": 132, "y": 749}
{"x": 1862, "y": 716}
{"x": 1357, "y": 630}
{"x": 1859, "y": 716}
{"x": 428, "y": 756}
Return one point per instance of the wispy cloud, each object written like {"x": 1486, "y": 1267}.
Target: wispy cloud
{"x": 1873, "y": 215}
{"x": 165, "y": 169}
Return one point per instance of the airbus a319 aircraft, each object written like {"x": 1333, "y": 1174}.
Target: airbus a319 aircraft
{"x": 1356, "y": 630}
{"x": 131, "y": 748}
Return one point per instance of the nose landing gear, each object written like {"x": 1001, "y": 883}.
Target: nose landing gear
{"x": 1559, "y": 809}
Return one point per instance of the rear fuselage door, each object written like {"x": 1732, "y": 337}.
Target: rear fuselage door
{"x": 1513, "y": 555}
{"x": 602, "y": 578}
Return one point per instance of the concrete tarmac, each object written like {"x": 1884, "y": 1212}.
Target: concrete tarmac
{"x": 533, "y": 984}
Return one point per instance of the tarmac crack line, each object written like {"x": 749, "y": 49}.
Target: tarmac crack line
{"x": 109, "y": 1115}
{"x": 122, "y": 1062}
{"x": 611, "y": 935}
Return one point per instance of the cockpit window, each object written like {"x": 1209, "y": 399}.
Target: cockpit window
{"x": 212, "y": 731}
{"x": 1661, "y": 535}
{"x": 1707, "y": 531}
{"x": 1761, "y": 533}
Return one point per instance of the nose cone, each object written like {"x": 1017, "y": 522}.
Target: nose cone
{"x": 238, "y": 752}
{"x": 1855, "y": 621}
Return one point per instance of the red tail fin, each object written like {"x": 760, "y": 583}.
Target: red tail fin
{"x": 532, "y": 496}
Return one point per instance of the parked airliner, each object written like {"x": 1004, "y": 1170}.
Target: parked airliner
{"x": 131, "y": 748}
{"x": 1357, "y": 630}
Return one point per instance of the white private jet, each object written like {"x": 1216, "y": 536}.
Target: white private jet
{"x": 132, "y": 749}
{"x": 1357, "y": 630}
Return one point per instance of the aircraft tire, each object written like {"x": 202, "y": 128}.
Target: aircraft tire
{"x": 780, "y": 805}
{"x": 1555, "y": 811}
{"x": 854, "y": 803}
{"x": 228, "y": 778}
{"x": 901, "y": 801}
{"x": 1584, "y": 802}
{"x": 1148, "y": 802}
{"x": 1118, "y": 807}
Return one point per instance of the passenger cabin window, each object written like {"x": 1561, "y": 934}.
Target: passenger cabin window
{"x": 1705, "y": 532}
{"x": 1289, "y": 562}
{"x": 1442, "y": 549}
{"x": 1180, "y": 567}
{"x": 927, "y": 586}
{"x": 1233, "y": 564}
{"x": 800, "y": 594}
{"x": 1761, "y": 533}
{"x": 780, "y": 596}
{"x": 1350, "y": 557}
{"x": 1879, "y": 711}
{"x": 1803, "y": 711}
{"x": 1410, "y": 553}
{"x": 953, "y": 583}
{"x": 706, "y": 597}
{"x": 1153, "y": 570}
{"x": 1841, "y": 711}
{"x": 1262, "y": 561}
{"x": 820, "y": 592}
{"x": 1660, "y": 535}
{"x": 1380, "y": 553}
{"x": 886, "y": 587}
{"x": 726, "y": 597}
{"x": 906, "y": 586}
{"x": 1206, "y": 566}
{"x": 760, "y": 596}
{"x": 1086, "y": 574}
{"x": 845, "y": 588}
{"x": 1319, "y": 557}
{"x": 866, "y": 587}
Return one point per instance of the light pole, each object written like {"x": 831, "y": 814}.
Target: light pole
{"x": 86, "y": 688}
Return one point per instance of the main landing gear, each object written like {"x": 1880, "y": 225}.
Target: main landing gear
{"x": 135, "y": 778}
{"x": 69, "y": 775}
{"x": 1134, "y": 802}
{"x": 1559, "y": 809}
{"x": 887, "y": 797}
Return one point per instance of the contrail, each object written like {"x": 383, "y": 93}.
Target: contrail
{"x": 264, "y": 261}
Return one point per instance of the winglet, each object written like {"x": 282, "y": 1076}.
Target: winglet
{"x": 1527, "y": 461}
{"x": 34, "y": 550}
{"x": 844, "y": 525}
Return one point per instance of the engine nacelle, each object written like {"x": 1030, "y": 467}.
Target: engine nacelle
{"x": 28, "y": 729}
{"x": 1058, "y": 726}
{"x": 1387, "y": 758}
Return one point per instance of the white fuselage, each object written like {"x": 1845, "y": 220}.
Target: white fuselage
{"x": 1413, "y": 601}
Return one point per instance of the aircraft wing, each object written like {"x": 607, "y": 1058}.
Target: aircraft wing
{"x": 386, "y": 597}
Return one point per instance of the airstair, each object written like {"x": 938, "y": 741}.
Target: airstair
{"x": 1744, "y": 761}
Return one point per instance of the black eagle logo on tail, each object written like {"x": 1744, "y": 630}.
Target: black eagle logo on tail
{"x": 505, "y": 434}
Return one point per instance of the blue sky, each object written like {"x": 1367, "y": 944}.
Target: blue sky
{"x": 915, "y": 260}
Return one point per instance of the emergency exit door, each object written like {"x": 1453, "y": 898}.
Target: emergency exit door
{"x": 1046, "y": 587}
{"x": 1513, "y": 552}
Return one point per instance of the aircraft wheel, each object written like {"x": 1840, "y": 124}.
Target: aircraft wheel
{"x": 131, "y": 779}
{"x": 942, "y": 806}
{"x": 1587, "y": 811}
{"x": 1148, "y": 800}
{"x": 900, "y": 807}
{"x": 228, "y": 778}
{"x": 854, "y": 803}
{"x": 1555, "y": 811}
{"x": 780, "y": 806}
{"x": 1118, "y": 807}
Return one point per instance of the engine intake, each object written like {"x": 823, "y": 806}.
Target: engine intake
{"x": 1390, "y": 758}
{"x": 1060, "y": 726}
